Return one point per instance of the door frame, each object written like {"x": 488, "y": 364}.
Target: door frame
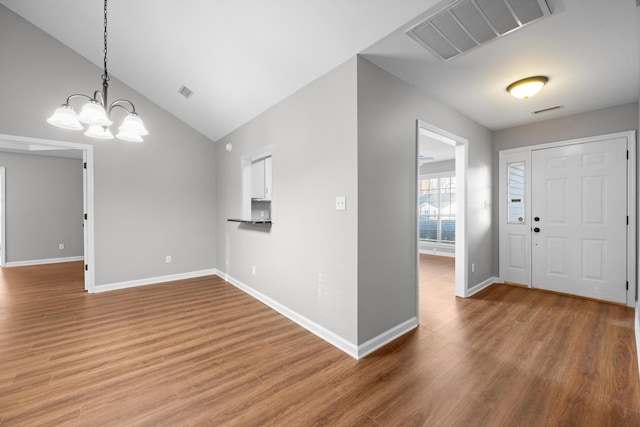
{"x": 630, "y": 136}
{"x": 88, "y": 197}
{"x": 3, "y": 218}
{"x": 461, "y": 244}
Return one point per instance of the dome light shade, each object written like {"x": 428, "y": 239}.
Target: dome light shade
{"x": 123, "y": 135}
{"x": 132, "y": 124}
{"x": 99, "y": 132}
{"x": 528, "y": 87}
{"x": 93, "y": 114}
{"x": 65, "y": 117}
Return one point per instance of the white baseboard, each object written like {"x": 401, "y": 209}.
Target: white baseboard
{"x": 311, "y": 326}
{"x": 482, "y": 285}
{"x": 437, "y": 253}
{"x": 637, "y": 331}
{"x": 386, "y": 337}
{"x": 357, "y": 352}
{"x": 43, "y": 261}
{"x": 154, "y": 280}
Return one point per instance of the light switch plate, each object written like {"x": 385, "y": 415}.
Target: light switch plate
{"x": 341, "y": 203}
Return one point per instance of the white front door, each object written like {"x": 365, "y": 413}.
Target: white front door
{"x": 579, "y": 219}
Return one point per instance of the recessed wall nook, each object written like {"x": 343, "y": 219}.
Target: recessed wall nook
{"x": 257, "y": 188}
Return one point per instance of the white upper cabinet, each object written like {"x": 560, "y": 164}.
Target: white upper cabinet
{"x": 261, "y": 178}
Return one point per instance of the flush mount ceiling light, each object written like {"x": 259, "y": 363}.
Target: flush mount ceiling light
{"x": 97, "y": 112}
{"x": 528, "y": 87}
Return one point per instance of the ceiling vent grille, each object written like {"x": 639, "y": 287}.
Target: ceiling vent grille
{"x": 546, "y": 110}
{"x": 185, "y": 91}
{"x": 467, "y": 24}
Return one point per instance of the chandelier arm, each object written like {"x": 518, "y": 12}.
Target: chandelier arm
{"x": 77, "y": 95}
{"x": 118, "y": 103}
{"x": 102, "y": 100}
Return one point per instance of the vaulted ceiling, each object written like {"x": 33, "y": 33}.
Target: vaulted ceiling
{"x": 239, "y": 57}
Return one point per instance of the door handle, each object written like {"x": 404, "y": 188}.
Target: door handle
{"x": 536, "y": 230}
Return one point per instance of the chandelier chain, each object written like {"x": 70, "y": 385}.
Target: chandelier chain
{"x": 105, "y": 76}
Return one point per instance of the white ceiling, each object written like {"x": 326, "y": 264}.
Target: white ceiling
{"x": 240, "y": 57}
{"x": 431, "y": 150}
{"x": 589, "y": 49}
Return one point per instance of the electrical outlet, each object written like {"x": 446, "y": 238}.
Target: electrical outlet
{"x": 341, "y": 203}
{"x": 253, "y": 270}
{"x": 61, "y": 246}
{"x": 167, "y": 259}
{"x": 473, "y": 267}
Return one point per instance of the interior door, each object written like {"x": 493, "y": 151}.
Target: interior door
{"x": 579, "y": 219}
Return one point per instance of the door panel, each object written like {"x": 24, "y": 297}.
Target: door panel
{"x": 515, "y": 224}
{"x": 579, "y": 193}
{"x": 517, "y": 251}
{"x": 556, "y": 209}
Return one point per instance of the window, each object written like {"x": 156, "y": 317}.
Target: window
{"x": 516, "y": 189}
{"x": 437, "y": 208}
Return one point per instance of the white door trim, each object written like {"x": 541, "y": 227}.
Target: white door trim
{"x": 89, "y": 241}
{"x": 461, "y": 245}
{"x": 3, "y": 219}
{"x": 631, "y": 198}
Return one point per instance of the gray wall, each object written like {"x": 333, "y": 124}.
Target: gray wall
{"x": 307, "y": 261}
{"x": 43, "y": 207}
{"x": 351, "y": 133}
{"x": 152, "y": 199}
{"x": 387, "y": 272}
{"x": 599, "y": 122}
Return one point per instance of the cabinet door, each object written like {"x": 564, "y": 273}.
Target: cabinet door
{"x": 268, "y": 178}
{"x": 257, "y": 179}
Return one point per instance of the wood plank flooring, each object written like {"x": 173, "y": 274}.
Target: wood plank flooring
{"x": 201, "y": 352}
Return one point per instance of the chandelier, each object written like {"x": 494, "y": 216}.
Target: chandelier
{"x": 96, "y": 112}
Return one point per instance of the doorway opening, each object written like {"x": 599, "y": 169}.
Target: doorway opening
{"x": 441, "y": 203}
{"x": 27, "y": 145}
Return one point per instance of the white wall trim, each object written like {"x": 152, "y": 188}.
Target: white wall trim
{"x": 482, "y": 285}
{"x": 3, "y": 217}
{"x": 337, "y": 341}
{"x": 43, "y": 261}
{"x": 461, "y": 244}
{"x": 155, "y": 280}
{"x": 636, "y": 328}
{"x": 437, "y": 253}
{"x": 386, "y": 337}
{"x": 311, "y": 326}
{"x": 89, "y": 233}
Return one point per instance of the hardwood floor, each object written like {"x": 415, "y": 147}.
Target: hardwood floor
{"x": 201, "y": 352}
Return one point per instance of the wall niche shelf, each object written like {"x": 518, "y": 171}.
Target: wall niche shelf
{"x": 257, "y": 187}
{"x": 250, "y": 221}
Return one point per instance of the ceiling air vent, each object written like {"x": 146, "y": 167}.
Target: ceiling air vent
{"x": 185, "y": 91}
{"x": 467, "y": 24}
{"x": 546, "y": 110}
